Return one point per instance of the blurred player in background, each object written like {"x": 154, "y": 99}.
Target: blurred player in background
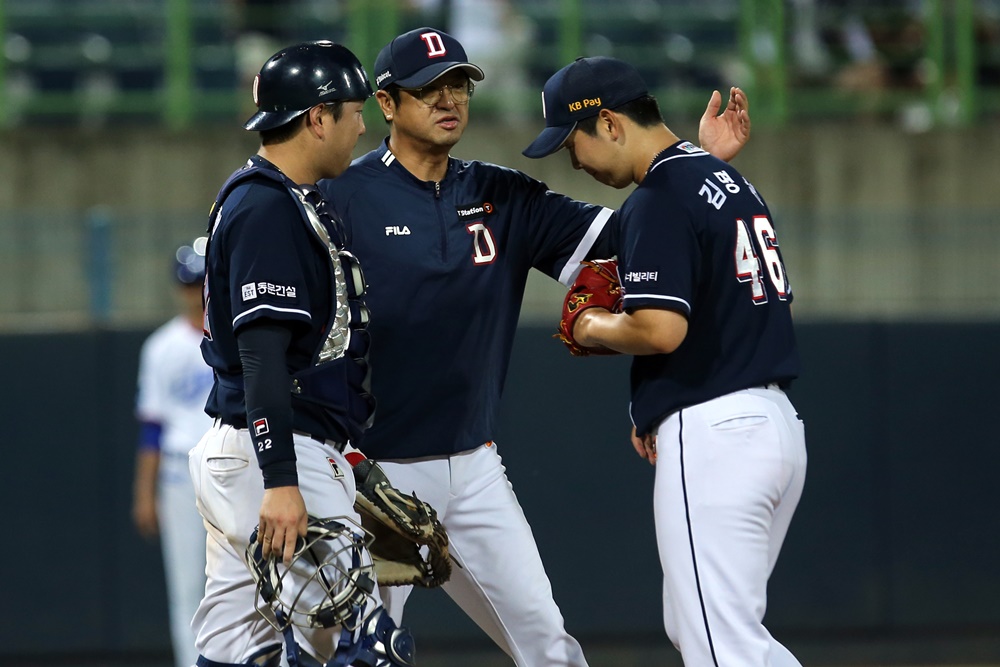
{"x": 707, "y": 314}
{"x": 174, "y": 382}
{"x": 447, "y": 246}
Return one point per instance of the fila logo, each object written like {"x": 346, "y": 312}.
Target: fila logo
{"x": 260, "y": 427}
{"x": 397, "y": 231}
{"x": 435, "y": 45}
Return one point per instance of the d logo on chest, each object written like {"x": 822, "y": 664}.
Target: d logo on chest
{"x": 484, "y": 246}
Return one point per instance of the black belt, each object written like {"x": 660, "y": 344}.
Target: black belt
{"x": 339, "y": 446}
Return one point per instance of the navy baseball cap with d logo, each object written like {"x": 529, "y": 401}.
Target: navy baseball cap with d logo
{"x": 419, "y": 56}
{"x": 580, "y": 90}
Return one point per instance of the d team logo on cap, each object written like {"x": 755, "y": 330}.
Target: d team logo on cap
{"x": 580, "y": 90}
{"x": 419, "y": 56}
{"x": 435, "y": 44}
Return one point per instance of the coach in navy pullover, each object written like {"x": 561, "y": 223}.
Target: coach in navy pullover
{"x": 446, "y": 263}
{"x": 447, "y": 250}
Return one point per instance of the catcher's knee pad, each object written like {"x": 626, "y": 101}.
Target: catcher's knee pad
{"x": 377, "y": 643}
{"x": 383, "y": 644}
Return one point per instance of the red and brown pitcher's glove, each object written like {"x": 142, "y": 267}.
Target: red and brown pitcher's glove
{"x": 597, "y": 286}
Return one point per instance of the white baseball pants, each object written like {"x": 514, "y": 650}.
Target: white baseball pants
{"x": 499, "y": 581}
{"x": 229, "y": 488}
{"x": 729, "y": 474}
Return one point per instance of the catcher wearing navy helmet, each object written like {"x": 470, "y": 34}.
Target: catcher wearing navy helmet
{"x": 284, "y": 332}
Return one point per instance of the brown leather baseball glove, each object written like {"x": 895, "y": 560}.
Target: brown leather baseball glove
{"x": 410, "y": 545}
{"x": 597, "y": 286}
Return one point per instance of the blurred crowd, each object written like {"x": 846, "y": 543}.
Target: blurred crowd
{"x": 97, "y": 50}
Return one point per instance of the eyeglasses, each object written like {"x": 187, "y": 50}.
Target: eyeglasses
{"x": 432, "y": 95}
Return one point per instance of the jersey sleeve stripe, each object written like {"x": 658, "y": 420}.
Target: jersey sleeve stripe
{"x": 572, "y": 267}
{"x": 265, "y": 306}
{"x": 658, "y": 297}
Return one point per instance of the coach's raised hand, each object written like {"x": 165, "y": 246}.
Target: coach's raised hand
{"x": 724, "y": 135}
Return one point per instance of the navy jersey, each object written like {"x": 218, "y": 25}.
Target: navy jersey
{"x": 446, "y": 265}
{"x": 696, "y": 237}
{"x": 265, "y": 263}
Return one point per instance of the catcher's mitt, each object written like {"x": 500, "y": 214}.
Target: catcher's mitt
{"x": 401, "y": 525}
{"x": 597, "y": 286}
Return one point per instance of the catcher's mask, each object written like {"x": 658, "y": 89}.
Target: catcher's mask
{"x": 326, "y": 583}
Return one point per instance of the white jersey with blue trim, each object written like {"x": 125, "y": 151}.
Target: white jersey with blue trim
{"x": 174, "y": 382}
{"x": 696, "y": 237}
{"x": 446, "y": 265}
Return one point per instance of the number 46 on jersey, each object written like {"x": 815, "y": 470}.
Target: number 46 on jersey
{"x": 755, "y": 244}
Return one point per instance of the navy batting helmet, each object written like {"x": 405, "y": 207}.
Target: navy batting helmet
{"x": 189, "y": 262}
{"x": 299, "y": 77}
